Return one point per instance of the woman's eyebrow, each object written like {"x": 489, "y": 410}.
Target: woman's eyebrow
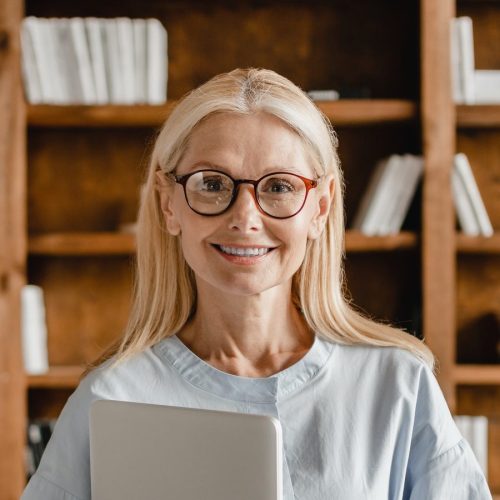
{"x": 222, "y": 168}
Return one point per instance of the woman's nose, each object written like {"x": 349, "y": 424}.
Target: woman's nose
{"x": 245, "y": 214}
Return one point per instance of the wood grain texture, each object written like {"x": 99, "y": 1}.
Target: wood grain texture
{"x": 438, "y": 122}
{"x": 12, "y": 252}
{"x": 480, "y": 116}
{"x": 345, "y": 112}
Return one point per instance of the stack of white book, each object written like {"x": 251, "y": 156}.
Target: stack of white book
{"x": 387, "y": 199}
{"x": 94, "y": 61}
{"x": 475, "y": 432}
{"x": 471, "y": 212}
{"x": 470, "y": 86}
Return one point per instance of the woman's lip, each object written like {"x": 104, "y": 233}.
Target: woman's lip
{"x": 242, "y": 259}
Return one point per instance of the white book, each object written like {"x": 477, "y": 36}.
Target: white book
{"x": 487, "y": 86}
{"x": 31, "y": 76}
{"x": 140, "y": 59}
{"x": 113, "y": 62}
{"x": 94, "y": 30}
{"x": 369, "y": 193}
{"x": 126, "y": 54}
{"x": 466, "y": 51}
{"x": 456, "y": 62}
{"x": 57, "y": 61}
{"x": 479, "y": 441}
{"x": 411, "y": 171}
{"x": 34, "y": 330}
{"x": 463, "y": 207}
{"x": 69, "y": 64}
{"x": 465, "y": 171}
{"x": 36, "y": 28}
{"x": 77, "y": 29}
{"x": 157, "y": 61}
{"x": 377, "y": 208}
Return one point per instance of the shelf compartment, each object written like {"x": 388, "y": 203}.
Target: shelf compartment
{"x": 342, "y": 112}
{"x": 56, "y": 378}
{"x": 478, "y": 244}
{"x": 480, "y": 115}
{"x": 476, "y": 374}
{"x": 359, "y": 242}
{"x": 98, "y": 243}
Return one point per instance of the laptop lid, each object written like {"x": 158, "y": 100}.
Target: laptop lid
{"x": 156, "y": 452}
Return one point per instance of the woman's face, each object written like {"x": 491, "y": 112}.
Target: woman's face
{"x": 245, "y": 147}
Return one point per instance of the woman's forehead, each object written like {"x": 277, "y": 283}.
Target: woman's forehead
{"x": 256, "y": 141}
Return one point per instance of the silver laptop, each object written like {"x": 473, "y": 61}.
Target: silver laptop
{"x": 153, "y": 452}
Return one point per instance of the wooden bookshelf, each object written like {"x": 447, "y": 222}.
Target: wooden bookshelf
{"x": 70, "y": 177}
{"x": 343, "y": 112}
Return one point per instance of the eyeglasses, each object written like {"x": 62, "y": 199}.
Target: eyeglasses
{"x": 279, "y": 194}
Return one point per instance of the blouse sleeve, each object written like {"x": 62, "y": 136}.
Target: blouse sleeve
{"x": 441, "y": 463}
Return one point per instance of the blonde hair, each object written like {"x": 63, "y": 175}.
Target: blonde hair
{"x": 165, "y": 290}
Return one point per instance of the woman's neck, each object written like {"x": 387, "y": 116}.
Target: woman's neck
{"x": 254, "y": 336}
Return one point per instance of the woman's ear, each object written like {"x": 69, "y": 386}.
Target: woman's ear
{"x": 325, "y": 200}
{"x": 165, "y": 192}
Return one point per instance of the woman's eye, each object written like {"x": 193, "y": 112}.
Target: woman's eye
{"x": 213, "y": 185}
{"x": 279, "y": 186}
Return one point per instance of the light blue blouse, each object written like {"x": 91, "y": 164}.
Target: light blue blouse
{"x": 359, "y": 422}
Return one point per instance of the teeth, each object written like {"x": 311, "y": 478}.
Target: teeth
{"x": 245, "y": 252}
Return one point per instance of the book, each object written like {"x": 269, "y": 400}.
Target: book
{"x": 464, "y": 170}
{"x": 487, "y": 86}
{"x": 462, "y": 60}
{"x": 94, "y": 29}
{"x": 31, "y": 76}
{"x": 408, "y": 176}
{"x": 323, "y": 95}
{"x": 126, "y": 54}
{"x": 113, "y": 61}
{"x": 381, "y": 197}
{"x": 463, "y": 207}
{"x": 140, "y": 58}
{"x": 157, "y": 61}
{"x": 34, "y": 330}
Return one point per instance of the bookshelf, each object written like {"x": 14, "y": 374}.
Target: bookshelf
{"x": 72, "y": 177}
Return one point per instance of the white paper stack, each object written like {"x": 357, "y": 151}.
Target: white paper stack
{"x": 34, "y": 330}
{"x": 94, "y": 61}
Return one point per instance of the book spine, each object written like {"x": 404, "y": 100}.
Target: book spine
{"x": 456, "y": 62}
{"x": 466, "y": 40}
{"x": 126, "y": 55}
{"x": 472, "y": 190}
{"x": 157, "y": 45}
{"x": 95, "y": 36}
{"x": 140, "y": 58}
{"x": 113, "y": 62}
{"x": 34, "y": 330}
{"x": 465, "y": 214}
{"x": 31, "y": 76}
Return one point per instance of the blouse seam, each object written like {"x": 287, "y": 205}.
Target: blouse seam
{"x": 57, "y": 485}
{"x": 441, "y": 455}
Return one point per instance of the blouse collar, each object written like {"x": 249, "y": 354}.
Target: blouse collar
{"x": 244, "y": 389}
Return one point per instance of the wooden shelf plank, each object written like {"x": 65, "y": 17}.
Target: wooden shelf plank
{"x": 358, "y": 242}
{"x": 342, "y": 112}
{"x": 82, "y": 244}
{"x": 486, "y": 115}
{"x": 365, "y": 111}
{"x": 56, "y": 378}
{"x": 478, "y": 244}
{"x": 476, "y": 374}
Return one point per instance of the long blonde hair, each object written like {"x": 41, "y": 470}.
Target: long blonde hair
{"x": 165, "y": 292}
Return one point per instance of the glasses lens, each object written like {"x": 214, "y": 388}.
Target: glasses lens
{"x": 209, "y": 192}
{"x": 281, "y": 195}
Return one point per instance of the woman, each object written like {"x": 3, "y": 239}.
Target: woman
{"x": 238, "y": 306}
